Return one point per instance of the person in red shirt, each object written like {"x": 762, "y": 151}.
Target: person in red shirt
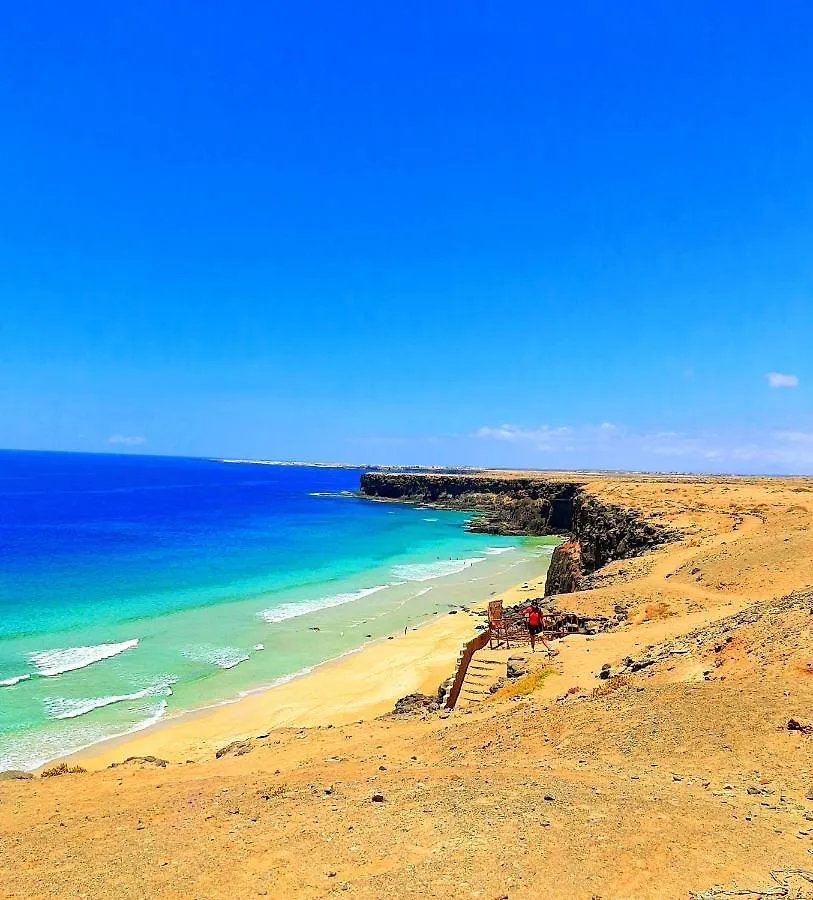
{"x": 536, "y": 626}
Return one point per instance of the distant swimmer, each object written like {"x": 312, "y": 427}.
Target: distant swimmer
{"x": 536, "y": 626}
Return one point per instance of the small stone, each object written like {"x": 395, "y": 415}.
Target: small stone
{"x": 378, "y": 798}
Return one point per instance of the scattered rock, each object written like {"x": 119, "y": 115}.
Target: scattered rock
{"x": 377, "y": 798}
{"x": 15, "y": 775}
{"x": 517, "y": 666}
{"x": 235, "y": 748}
{"x": 793, "y": 725}
{"x": 141, "y": 760}
{"x": 415, "y": 703}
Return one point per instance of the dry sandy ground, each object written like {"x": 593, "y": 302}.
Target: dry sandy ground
{"x": 672, "y": 779}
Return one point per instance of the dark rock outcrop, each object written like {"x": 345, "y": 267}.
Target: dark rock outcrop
{"x": 414, "y": 704}
{"x": 600, "y": 532}
{"x": 565, "y": 570}
{"x": 511, "y": 506}
{"x": 606, "y": 532}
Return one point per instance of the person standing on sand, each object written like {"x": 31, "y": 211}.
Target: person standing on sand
{"x": 536, "y": 626}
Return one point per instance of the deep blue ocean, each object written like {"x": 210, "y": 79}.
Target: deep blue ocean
{"x": 133, "y": 588}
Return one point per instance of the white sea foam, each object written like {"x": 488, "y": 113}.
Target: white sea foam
{"x": 496, "y": 551}
{"x": 56, "y": 662}
{"x": 222, "y": 657}
{"x": 72, "y": 708}
{"x": 9, "y": 682}
{"x": 48, "y": 747}
{"x": 430, "y": 520}
{"x": 427, "y": 571}
{"x": 293, "y": 610}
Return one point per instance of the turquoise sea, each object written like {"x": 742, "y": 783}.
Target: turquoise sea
{"x": 133, "y": 589}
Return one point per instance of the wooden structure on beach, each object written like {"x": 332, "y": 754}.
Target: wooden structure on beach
{"x": 505, "y": 629}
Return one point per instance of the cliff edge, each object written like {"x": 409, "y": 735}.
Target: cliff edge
{"x": 530, "y": 504}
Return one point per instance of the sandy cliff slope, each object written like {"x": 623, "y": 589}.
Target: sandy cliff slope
{"x": 678, "y": 774}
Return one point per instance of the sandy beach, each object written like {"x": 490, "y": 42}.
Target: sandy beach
{"x": 361, "y": 685}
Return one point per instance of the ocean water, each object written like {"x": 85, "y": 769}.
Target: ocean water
{"x": 133, "y": 589}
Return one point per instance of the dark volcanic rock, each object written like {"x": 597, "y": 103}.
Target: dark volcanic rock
{"x": 512, "y": 506}
{"x": 564, "y": 573}
{"x": 601, "y": 532}
{"x": 606, "y": 532}
{"x": 415, "y": 703}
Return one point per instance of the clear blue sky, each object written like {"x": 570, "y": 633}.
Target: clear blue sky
{"x": 519, "y": 233}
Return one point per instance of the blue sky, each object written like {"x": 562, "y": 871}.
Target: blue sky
{"x": 521, "y": 233}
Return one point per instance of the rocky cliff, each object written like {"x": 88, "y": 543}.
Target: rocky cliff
{"x": 602, "y": 532}
{"x": 534, "y": 505}
{"x": 565, "y": 570}
{"x": 502, "y": 505}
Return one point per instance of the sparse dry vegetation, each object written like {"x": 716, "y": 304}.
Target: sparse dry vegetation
{"x": 62, "y": 769}
{"x": 612, "y": 685}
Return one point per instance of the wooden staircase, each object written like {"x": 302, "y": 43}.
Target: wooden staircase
{"x": 484, "y": 669}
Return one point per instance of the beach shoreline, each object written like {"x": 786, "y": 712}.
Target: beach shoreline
{"x": 359, "y": 685}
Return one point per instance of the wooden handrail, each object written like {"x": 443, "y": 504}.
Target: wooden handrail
{"x": 469, "y": 650}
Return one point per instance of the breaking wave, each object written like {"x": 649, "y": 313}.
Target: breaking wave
{"x": 427, "y": 571}
{"x": 496, "y": 551}
{"x": 56, "y": 662}
{"x": 72, "y": 708}
{"x": 28, "y": 755}
{"x": 8, "y": 682}
{"x": 222, "y": 657}
{"x": 293, "y": 610}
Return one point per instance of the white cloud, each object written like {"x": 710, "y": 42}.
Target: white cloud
{"x": 608, "y": 445}
{"x": 515, "y": 433}
{"x": 126, "y": 440}
{"x": 795, "y": 437}
{"x": 778, "y": 380}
